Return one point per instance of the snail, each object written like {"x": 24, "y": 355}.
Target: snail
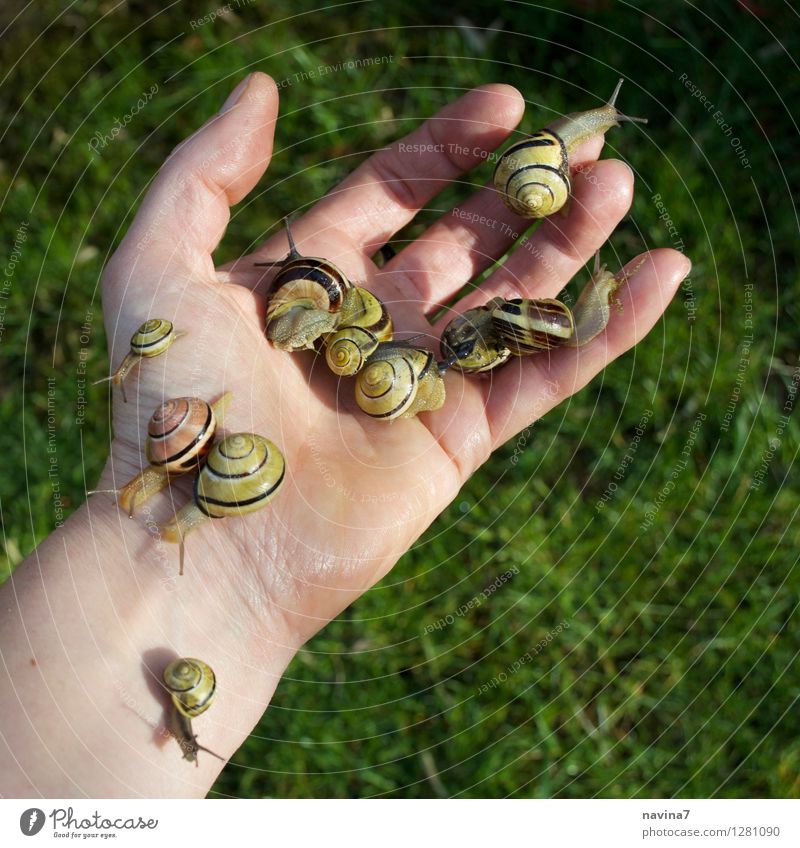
{"x": 151, "y": 339}
{"x": 192, "y": 686}
{"x": 523, "y": 326}
{"x": 400, "y": 380}
{"x": 365, "y": 322}
{"x": 242, "y": 473}
{"x": 471, "y": 341}
{"x": 532, "y": 176}
{"x": 308, "y": 294}
{"x": 179, "y": 436}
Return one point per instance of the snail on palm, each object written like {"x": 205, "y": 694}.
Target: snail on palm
{"x": 308, "y": 294}
{"x": 192, "y": 686}
{"x": 180, "y": 434}
{"x": 485, "y": 337}
{"x": 399, "y": 380}
{"x": 533, "y": 177}
{"x": 364, "y": 323}
{"x": 242, "y": 473}
{"x": 151, "y": 339}
{"x": 313, "y": 300}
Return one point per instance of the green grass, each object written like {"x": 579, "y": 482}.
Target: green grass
{"x": 677, "y": 674}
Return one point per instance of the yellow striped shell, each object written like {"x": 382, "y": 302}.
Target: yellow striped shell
{"x": 347, "y": 350}
{"x": 191, "y": 684}
{"x": 532, "y": 176}
{"x": 242, "y": 473}
{"x": 153, "y": 337}
{"x": 364, "y": 322}
{"x": 399, "y": 381}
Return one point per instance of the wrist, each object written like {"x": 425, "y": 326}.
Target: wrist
{"x": 94, "y": 615}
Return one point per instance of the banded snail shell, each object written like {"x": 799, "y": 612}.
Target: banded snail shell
{"x": 192, "y": 685}
{"x": 364, "y": 322}
{"x": 180, "y": 434}
{"x": 347, "y": 350}
{"x": 528, "y": 326}
{"x": 153, "y": 337}
{"x": 532, "y": 176}
{"x": 399, "y": 381}
{"x": 242, "y": 473}
{"x": 472, "y": 342}
{"x": 309, "y": 293}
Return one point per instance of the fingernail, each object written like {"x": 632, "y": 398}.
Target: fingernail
{"x": 235, "y": 96}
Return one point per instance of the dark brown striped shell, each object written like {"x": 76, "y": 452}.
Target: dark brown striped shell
{"x": 528, "y": 326}
{"x": 180, "y": 434}
{"x": 242, "y": 473}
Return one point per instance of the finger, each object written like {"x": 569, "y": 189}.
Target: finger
{"x": 542, "y": 265}
{"x": 381, "y": 196}
{"x": 483, "y": 412}
{"x": 521, "y": 395}
{"x": 185, "y": 212}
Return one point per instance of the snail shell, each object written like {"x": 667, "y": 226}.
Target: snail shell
{"x": 153, "y": 337}
{"x": 366, "y": 322}
{"x": 180, "y": 434}
{"x": 242, "y": 473}
{"x": 471, "y": 342}
{"x": 399, "y": 381}
{"x": 533, "y": 177}
{"x": 308, "y": 292}
{"x": 529, "y": 326}
{"x": 191, "y": 684}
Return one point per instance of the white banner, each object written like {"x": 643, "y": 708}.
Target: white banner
{"x": 404, "y": 824}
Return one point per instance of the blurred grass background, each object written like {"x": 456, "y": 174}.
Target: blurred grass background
{"x": 675, "y": 673}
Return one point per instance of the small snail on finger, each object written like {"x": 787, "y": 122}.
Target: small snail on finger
{"x": 522, "y": 326}
{"x": 179, "y": 436}
{"x": 399, "y": 381}
{"x": 151, "y": 339}
{"x": 242, "y": 473}
{"x": 533, "y": 175}
{"x": 192, "y": 686}
{"x": 364, "y": 323}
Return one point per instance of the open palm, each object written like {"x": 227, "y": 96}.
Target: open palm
{"x": 358, "y": 492}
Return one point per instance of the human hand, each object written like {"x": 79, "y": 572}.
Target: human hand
{"x": 358, "y": 492}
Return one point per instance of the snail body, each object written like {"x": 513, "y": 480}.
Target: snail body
{"x": 308, "y": 293}
{"x": 151, "y": 339}
{"x": 364, "y": 323}
{"x": 399, "y": 381}
{"x": 485, "y": 337}
{"x": 242, "y": 473}
{"x": 192, "y": 686}
{"x": 533, "y": 175}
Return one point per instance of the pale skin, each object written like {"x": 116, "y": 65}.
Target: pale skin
{"x": 91, "y": 618}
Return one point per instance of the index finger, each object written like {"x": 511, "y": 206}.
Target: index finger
{"x": 385, "y": 193}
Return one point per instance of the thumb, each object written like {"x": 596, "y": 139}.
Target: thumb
{"x": 185, "y": 212}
